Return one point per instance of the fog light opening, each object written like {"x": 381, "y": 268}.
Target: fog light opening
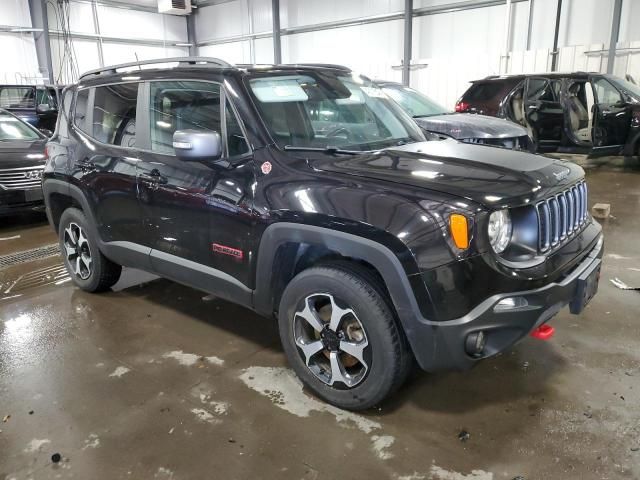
{"x": 510, "y": 303}
{"x": 475, "y": 343}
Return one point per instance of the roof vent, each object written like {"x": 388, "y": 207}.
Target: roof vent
{"x": 174, "y": 7}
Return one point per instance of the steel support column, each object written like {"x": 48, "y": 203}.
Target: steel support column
{"x": 408, "y": 40}
{"x": 277, "y": 49}
{"x": 191, "y": 33}
{"x": 530, "y": 24}
{"x": 615, "y": 33}
{"x": 39, "y": 20}
{"x": 554, "y": 53}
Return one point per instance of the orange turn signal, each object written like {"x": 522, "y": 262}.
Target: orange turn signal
{"x": 459, "y": 230}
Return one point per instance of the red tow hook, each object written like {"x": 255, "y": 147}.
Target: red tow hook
{"x": 543, "y": 332}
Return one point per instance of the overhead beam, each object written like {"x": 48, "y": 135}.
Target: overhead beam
{"x": 277, "y": 46}
{"x": 132, "y": 41}
{"x": 615, "y": 35}
{"x": 530, "y": 25}
{"x": 40, "y": 24}
{"x": 408, "y": 41}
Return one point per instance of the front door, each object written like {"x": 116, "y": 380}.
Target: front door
{"x": 612, "y": 118}
{"x": 197, "y": 215}
{"x": 543, "y": 112}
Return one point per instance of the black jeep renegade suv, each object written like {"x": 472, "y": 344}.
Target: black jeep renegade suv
{"x": 302, "y": 191}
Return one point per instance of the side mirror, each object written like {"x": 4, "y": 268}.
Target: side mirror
{"x": 46, "y": 132}
{"x": 197, "y": 145}
{"x": 620, "y": 104}
{"x": 44, "y": 108}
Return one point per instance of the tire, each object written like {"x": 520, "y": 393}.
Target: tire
{"x": 91, "y": 270}
{"x": 366, "y": 321}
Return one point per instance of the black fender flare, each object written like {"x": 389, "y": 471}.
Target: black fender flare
{"x": 379, "y": 256}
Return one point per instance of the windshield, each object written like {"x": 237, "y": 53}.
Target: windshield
{"x": 413, "y": 102}
{"x": 320, "y": 109}
{"x": 17, "y": 97}
{"x": 632, "y": 88}
{"x": 12, "y": 128}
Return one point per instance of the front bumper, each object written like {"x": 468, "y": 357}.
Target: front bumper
{"x": 18, "y": 201}
{"x": 441, "y": 345}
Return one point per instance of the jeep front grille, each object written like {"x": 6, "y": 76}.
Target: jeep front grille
{"x": 21, "y": 178}
{"x": 561, "y": 216}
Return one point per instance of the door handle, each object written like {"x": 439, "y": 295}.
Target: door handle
{"x": 154, "y": 177}
{"x": 85, "y": 165}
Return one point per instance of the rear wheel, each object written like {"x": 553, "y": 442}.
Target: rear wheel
{"x": 88, "y": 268}
{"x": 341, "y": 337}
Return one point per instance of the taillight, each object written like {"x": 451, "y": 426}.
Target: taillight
{"x": 46, "y": 152}
{"x": 462, "y": 106}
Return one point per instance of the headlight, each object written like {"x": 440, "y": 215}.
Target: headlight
{"x": 499, "y": 230}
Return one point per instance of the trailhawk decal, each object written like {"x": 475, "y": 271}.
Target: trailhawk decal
{"x": 224, "y": 250}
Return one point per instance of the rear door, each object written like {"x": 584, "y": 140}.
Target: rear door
{"x": 612, "y": 117}
{"x": 543, "y": 112}
{"x": 197, "y": 216}
{"x": 104, "y": 165}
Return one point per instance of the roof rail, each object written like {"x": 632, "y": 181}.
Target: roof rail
{"x": 181, "y": 60}
{"x": 325, "y": 65}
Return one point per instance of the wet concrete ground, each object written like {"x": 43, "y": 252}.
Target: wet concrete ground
{"x": 155, "y": 380}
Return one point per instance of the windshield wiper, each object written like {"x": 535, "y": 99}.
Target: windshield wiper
{"x": 328, "y": 149}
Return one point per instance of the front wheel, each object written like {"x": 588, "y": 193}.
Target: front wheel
{"x": 88, "y": 268}
{"x": 341, "y": 337}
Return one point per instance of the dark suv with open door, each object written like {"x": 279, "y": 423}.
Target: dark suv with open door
{"x": 567, "y": 112}
{"x": 372, "y": 246}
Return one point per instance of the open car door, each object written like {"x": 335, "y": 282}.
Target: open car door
{"x": 612, "y": 116}
{"x": 543, "y": 112}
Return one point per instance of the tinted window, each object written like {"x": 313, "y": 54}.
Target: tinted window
{"x": 483, "y": 91}
{"x": 182, "y": 105}
{"x": 605, "y": 92}
{"x": 114, "y": 114}
{"x": 236, "y": 141}
{"x": 17, "y": 97}
{"x": 539, "y": 89}
{"x": 80, "y": 116}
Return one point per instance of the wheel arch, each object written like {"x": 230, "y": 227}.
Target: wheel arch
{"x": 60, "y": 195}
{"x": 283, "y": 246}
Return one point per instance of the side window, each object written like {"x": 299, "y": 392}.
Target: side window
{"x": 236, "y": 141}
{"x": 114, "y": 114}
{"x": 80, "y": 115}
{"x": 64, "y": 113}
{"x": 182, "y": 105}
{"x": 540, "y": 90}
{"x": 605, "y": 92}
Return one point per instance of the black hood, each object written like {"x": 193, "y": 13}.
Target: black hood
{"x": 21, "y": 153}
{"x": 467, "y": 125}
{"x": 493, "y": 177}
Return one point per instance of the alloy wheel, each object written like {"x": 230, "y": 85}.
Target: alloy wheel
{"x": 331, "y": 341}
{"x": 77, "y": 251}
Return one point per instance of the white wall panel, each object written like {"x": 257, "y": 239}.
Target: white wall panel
{"x": 629, "y": 21}
{"x": 121, "y": 53}
{"x": 222, "y": 20}
{"x": 86, "y": 55}
{"x": 369, "y": 49}
{"x": 80, "y": 17}
{"x": 15, "y": 12}
{"x": 117, "y": 22}
{"x": 306, "y": 12}
{"x": 236, "y": 52}
{"x": 19, "y": 62}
